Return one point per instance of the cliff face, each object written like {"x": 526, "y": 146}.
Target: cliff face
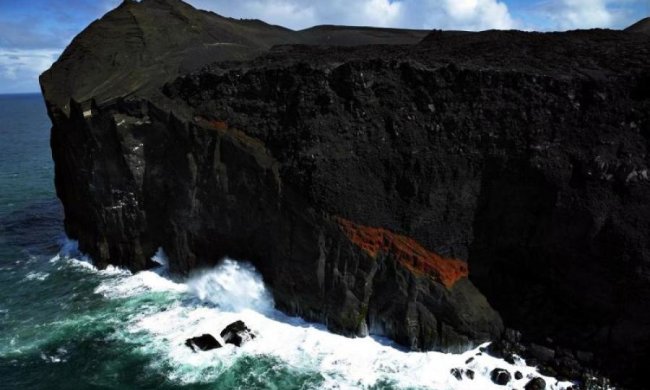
{"x": 373, "y": 186}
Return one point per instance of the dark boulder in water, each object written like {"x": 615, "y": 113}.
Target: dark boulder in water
{"x": 237, "y": 334}
{"x": 536, "y": 384}
{"x": 204, "y": 342}
{"x": 459, "y": 373}
{"x": 500, "y": 376}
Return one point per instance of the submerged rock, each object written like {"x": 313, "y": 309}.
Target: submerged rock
{"x": 536, "y": 384}
{"x": 500, "y": 376}
{"x": 204, "y": 342}
{"x": 237, "y": 334}
{"x": 457, "y": 373}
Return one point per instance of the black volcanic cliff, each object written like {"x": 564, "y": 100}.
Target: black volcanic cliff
{"x": 426, "y": 187}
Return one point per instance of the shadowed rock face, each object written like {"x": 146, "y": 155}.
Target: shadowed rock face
{"x": 205, "y": 342}
{"x": 237, "y": 334}
{"x": 375, "y": 187}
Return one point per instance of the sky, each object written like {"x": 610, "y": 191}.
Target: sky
{"x": 34, "y": 33}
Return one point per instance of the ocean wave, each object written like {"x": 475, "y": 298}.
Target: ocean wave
{"x": 210, "y": 300}
{"x": 71, "y": 256}
{"x": 163, "y": 312}
{"x": 58, "y": 357}
{"x": 232, "y": 286}
{"x": 40, "y": 276}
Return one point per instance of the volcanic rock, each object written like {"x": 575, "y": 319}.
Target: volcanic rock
{"x": 500, "y": 376}
{"x": 540, "y": 353}
{"x": 536, "y": 384}
{"x": 457, "y": 373}
{"x": 237, "y": 334}
{"x": 204, "y": 342}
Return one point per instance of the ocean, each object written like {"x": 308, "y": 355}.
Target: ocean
{"x": 66, "y": 325}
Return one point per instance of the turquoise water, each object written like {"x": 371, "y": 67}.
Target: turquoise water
{"x": 66, "y": 325}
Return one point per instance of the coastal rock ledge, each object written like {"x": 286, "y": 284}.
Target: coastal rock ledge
{"x": 424, "y": 186}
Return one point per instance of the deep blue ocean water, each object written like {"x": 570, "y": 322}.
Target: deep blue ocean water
{"x": 66, "y": 325}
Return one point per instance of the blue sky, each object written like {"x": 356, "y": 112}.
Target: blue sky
{"x": 33, "y": 33}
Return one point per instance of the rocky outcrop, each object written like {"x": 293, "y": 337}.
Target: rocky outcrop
{"x": 500, "y": 376}
{"x": 205, "y": 342}
{"x": 378, "y": 189}
{"x": 237, "y": 334}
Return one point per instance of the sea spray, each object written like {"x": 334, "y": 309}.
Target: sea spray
{"x": 232, "y": 286}
{"x": 161, "y": 258}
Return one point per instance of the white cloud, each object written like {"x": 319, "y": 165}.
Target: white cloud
{"x": 381, "y": 12}
{"x": 582, "y": 14}
{"x": 299, "y": 14}
{"x": 469, "y": 15}
{"x": 19, "y": 68}
{"x": 576, "y": 14}
{"x": 284, "y": 13}
{"x": 14, "y": 62}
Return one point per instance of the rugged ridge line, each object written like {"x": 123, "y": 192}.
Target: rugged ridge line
{"x": 374, "y": 186}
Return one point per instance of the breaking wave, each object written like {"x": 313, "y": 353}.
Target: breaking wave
{"x": 167, "y": 311}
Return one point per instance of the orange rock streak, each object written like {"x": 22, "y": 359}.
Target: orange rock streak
{"x": 219, "y": 125}
{"x": 407, "y": 251}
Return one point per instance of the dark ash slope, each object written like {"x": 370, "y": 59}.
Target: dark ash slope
{"x": 642, "y": 26}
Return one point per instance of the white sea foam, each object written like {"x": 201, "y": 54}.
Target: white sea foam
{"x": 40, "y": 276}
{"x": 210, "y": 300}
{"x": 132, "y": 285}
{"x": 58, "y": 357}
{"x": 70, "y": 255}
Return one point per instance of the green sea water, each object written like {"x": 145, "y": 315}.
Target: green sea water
{"x": 66, "y": 325}
{"x": 56, "y": 331}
